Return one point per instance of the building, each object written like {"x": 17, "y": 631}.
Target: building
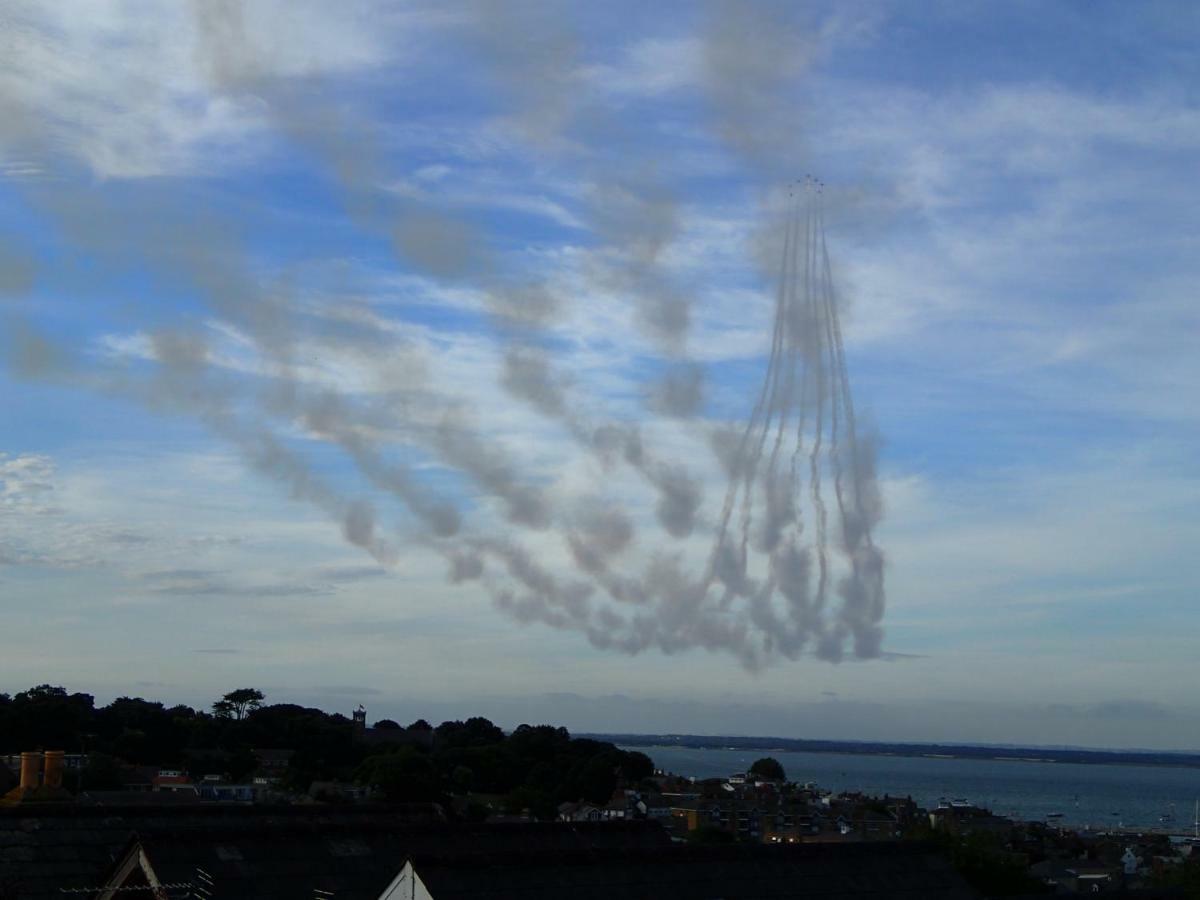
{"x": 347, "y": 858}
{"x": 174, "y": 781}
{"x": 219, "y": 792}
{"x": 524, "y": 862}
{"x": 1077, "y": 875}
{"x": 898, "y": 871}
{"x": 272, "y": 761}
{"x": 48, "y": 847}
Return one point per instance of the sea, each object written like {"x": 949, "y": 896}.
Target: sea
{"x": 1078, "y": 795}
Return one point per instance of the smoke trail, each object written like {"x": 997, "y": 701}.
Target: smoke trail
{"x": 806, "y": 369}
{"x": 781, "y": 540}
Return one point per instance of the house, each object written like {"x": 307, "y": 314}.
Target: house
{"x": 619, "y": 806}
{"x": 139, "y": 778}
{"x": 961, "y": 819}
{"x": 217, "y": 791}
{"x": 579, "y": 812}
{"x": 1077, "y": 875}
{"x": 272, "y": 761}
{"x": 740, "y": 818}
{"x": 651, "y": 806}
{"x": 173, "y": 780}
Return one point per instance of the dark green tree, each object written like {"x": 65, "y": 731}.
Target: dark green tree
{"x": 406, "y": 776}
{"x": 636, "y": 767}
{"x": 539, "y": 804}
{"x": 45, "y": 716}
{"x": 102, "y": 773}
{"x": 593, "y": 778}
{"x": 768, "y": 768}
{"x": 475, "y": 732}
{"x": 236, "y": 704}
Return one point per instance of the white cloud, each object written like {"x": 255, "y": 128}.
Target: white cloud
{"x": 135, "y": 89}
{"x": 26, "y": 485}
{"x": 650, "y": 67}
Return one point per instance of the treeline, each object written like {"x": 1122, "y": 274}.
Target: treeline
{"x": 534, "y": 767}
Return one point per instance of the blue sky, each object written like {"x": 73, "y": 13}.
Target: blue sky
{"x": 239, "y": 245}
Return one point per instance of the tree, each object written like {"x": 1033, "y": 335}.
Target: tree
{"x": 102, "y": 773}
{"x": 593, "y": 778}
{"x": 636, "y": 767}
{"x": 45, "y": 716}
{"x": 539, "y": 804}
{"x": 236, "y": 704}
{"x": 406, "y": 776}
{"x": 768, "y": 768}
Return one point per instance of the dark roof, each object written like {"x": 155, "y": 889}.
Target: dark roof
{"x": 1119, "y": 894}
{"x": 355, "y": 852}
{"x": 45, "y": 848}
{"x": 360, "y": 860}
{"x": 291, "y": 857}
{"x": 124, "y": 799}
{"x": 905, "y": 871}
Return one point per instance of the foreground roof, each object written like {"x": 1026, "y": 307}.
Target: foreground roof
{"x": 819, "y": 871}
{"x": 44, "y": 849}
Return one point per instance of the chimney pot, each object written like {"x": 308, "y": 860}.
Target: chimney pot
{"x": 31, "y": 765}
{"x": 54, "y": 769}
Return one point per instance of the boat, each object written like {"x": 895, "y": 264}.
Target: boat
{"x": 1054, "y": 815}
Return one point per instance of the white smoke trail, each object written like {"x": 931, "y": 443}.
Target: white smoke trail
{"x": 763, "y": 590}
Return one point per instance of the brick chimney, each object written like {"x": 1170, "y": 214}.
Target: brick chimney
{"x": 53, "y": 774}
{"x": 36, "y": 787}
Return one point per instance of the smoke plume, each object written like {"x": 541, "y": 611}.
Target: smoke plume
{"x": 613, "y": 529}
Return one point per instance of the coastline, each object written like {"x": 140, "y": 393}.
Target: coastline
{"x": 1163, "y": 758}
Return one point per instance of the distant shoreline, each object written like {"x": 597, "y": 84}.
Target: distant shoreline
{"x": 928, "y": 751}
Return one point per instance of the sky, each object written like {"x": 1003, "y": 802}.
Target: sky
{"x": 390, "y": 353}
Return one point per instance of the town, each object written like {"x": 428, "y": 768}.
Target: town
{"x": 212, "y": 791}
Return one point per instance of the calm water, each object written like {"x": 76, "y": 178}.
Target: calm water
{"x": 1100, "y": 796}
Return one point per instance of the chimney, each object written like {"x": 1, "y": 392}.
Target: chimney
{"x": 31, "y": 764}
{"x": 52, "y": 778}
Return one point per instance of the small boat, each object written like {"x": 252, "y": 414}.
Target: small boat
{"x": 1054, "y": 815}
